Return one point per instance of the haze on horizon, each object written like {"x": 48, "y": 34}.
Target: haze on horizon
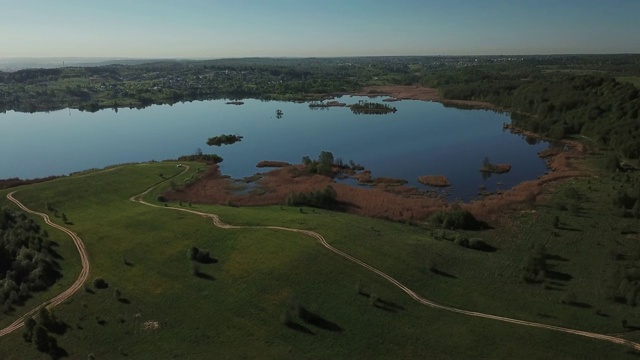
{"x": 299, "y": 28}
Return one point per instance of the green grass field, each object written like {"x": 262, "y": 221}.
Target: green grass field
{"x": 233, "y": 310}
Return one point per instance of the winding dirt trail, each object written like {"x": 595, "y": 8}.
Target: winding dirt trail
{"x": 217, "y": 222}
{"x": 84, "y": 273}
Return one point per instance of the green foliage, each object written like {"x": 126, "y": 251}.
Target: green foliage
{"x": 322, "y": 166}
{"x": 27, "y": 262}
{"x": 457, "y": 219}
{"x": 198, "y": 255}
{"x": 100, "y": 283}
{"x": 365, "y": 107}
{"x": 534, "y": 265}
{"x": 323, "y": 199}
{"x": 206, "y": 158}
{"x": 224, "y": 139}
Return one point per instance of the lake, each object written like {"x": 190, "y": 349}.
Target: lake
{"x": 421, "y": 138}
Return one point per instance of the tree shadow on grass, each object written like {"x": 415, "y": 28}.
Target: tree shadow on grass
{"x": 580, "y": 305}
{"x": 301, "y": 328}
{"x": 319, "y": 322}
{"x": 205, "y": 276}
{"x": 634, "y": 353}
{"x": 546, "y": 316}
{"x": 443, "y": 273}
{"x": 124, "y": 301}
{"x": 55, "y": 351}
{"x": 554, "y": 257}
{"x": 557, "y": 275}
{"x": 390, "y": 304}
{"x": 566, "y": 228}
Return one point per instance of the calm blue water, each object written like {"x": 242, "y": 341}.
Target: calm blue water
{"x": 421, "y": 138}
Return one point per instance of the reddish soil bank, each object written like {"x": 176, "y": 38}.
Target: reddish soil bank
{"x": 417, "y": 92}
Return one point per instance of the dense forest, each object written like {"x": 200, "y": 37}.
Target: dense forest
{"x": 27, "y": 259}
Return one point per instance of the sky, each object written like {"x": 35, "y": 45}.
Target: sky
{"x": 312, "y": 28}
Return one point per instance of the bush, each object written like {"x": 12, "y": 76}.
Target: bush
{"x": 201, "y": 256}
{"x": 456, "y": 220}
{"x": 100, "y": 283}
{"x": 461, "y": 241}
{"x": 161, "y": 198}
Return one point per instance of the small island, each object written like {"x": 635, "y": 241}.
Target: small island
{"x": 434, "y": 180}
{"x": 365, "y": 107}
{"x": 488, "y": 167}
{"x": 224, "y": 140}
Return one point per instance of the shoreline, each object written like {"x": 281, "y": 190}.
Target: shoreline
{"x": 417, "y": 92}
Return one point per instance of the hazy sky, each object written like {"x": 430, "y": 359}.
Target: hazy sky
{"x": 239, "y": 28}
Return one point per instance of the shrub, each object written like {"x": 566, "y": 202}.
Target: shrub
{"x": 161, "y": 198}
{"x": 456, "y": 220}
{"x": 461, "y": 241}
{"x": 100, "y": 283}
{"x": 201, "y": 256}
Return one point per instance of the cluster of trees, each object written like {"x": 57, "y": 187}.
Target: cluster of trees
{"x": 556, "y": 97}
{"x": 199, "y": 255}
{"x": 223, "y": 139}
{"x": 623, "y": 284}
{"x": 456, "y": 219}
{"x": 323, "y": 199}
{"x": 534, "y": 265}
{"x": 27, "y": 259}
{"x": 366, "y": 107}
{"x": 322, "y": 166}
{"x": 206, "y": 158}
{"x": 39, "y": 332}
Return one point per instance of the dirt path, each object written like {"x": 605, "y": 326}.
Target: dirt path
{"x": 84, "y": 273}
{"x": 217, "y": 222}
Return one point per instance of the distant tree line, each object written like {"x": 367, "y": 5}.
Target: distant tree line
{"x": 555, "y": 104}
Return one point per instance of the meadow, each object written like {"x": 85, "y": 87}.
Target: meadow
{"x": 158, "y": 305}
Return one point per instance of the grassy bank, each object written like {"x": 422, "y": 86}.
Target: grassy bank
{"x": 233, "y": 308}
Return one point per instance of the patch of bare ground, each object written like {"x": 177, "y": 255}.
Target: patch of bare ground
{"x": 417, "y": 92}
{"x": 384, "y": 198}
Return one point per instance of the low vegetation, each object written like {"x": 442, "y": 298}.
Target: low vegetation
{"x": 323, "y": 199}
{"x": 456, "y": 219}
